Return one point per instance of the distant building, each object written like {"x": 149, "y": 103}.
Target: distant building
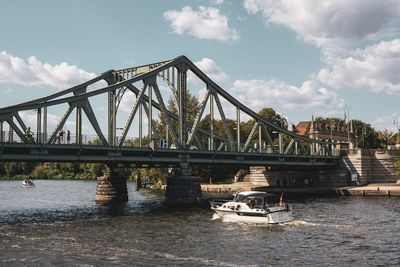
{"x": 302, "y": 128}
{"x": 344, "y": 139}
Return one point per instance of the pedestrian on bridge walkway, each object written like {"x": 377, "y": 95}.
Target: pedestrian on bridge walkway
{"x": 62, "y": 136}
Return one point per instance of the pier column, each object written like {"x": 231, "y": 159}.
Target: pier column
{"x": 258, "y": 176}
{"x": 183, "y": 188}
{"x": 110, "y": 187}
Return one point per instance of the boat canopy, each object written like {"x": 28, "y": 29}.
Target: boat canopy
{"x": 253, "y": 193}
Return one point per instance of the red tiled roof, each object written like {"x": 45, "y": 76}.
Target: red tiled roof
{"x": 302, "y": 128}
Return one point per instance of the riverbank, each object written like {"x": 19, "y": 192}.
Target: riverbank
{"x": 383, "y": 189}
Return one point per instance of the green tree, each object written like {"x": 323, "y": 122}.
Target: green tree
{"x": 386, "y": 137}
{"x": 270, "y": 115}
{"x": 192, "y": 108}
{"x": 337, "y": 124}
{"x": 366, "y": 136}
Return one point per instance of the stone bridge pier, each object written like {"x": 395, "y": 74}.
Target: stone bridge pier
{"x": 111, "y": 188}
{"x": 183, "y": 188}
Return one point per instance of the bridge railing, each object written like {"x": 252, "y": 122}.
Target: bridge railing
{"x": 92, "y": 139}
{"x": 42, "y": 138}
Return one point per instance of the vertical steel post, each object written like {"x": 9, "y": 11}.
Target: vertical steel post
{"x": 1, "y": 132}
{"x": 173, "y": 77}
{"x": 44, "y": 138}
{"x": 78, "y": 125}
{"x": 259, "y": 139}
{"x": 166, "y": 135}
{"x": 140, "y": 124}
{"x": 109, "y": 118}
{"x": 150, "y": 122}
{"x": 238, "y": 128}
{"x": 182, "y": 104}
{"x": 39, "y": 126}
{"x": 211, "y": 121}
{"x": 112, "y": 117}
{"x": 168, "y": 76}
{"x": 280, "y": 143}
{"x": 10, "y": 135}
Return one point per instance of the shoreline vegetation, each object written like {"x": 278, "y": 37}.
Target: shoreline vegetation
{"x": 55, "y": 171}
{"x": 90, "y": 171}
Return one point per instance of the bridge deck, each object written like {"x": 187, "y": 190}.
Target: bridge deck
{"x": 147, "y": 157}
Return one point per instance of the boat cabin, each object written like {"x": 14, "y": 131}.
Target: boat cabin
{"x": 253, "y": 199}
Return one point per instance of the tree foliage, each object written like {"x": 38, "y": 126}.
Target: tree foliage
{"x": 365, "y": 135}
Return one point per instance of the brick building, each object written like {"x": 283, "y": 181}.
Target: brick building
{"x": 344, "y": 139}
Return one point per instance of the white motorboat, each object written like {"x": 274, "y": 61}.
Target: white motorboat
{"x": 252, "y": 206}
{"x": 28, "y": 183}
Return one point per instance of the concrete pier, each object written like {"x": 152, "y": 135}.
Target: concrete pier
{"x": 111, "y": 188}
{"x": 183, "y": 188}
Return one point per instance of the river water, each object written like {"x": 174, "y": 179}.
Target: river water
{"x": 58, "y": 224}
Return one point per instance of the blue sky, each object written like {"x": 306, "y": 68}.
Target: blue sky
{"x": 300, "y": 57}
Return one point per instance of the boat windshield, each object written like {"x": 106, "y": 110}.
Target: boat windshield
{"x": 240, "y": 198}
{"x": 253, "y": 201}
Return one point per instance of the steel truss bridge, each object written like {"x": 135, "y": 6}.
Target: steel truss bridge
{"x": 189, "y": 141}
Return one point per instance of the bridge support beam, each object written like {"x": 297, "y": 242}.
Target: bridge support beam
{"x": 183, "y": 188}
{"x": 110, "y": 187}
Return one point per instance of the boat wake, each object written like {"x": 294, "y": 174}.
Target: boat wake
{"x": 320, "y": 224}
{"x": 215, "y": 217}
{"x": 301, "y": 222}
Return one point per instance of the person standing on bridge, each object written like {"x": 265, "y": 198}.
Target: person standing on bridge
{"x": 68, "y": 136}
{"x": 62, "y": 136}
{"x": 58, "y": 138}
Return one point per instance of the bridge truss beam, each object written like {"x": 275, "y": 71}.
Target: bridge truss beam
{"x": 185, "y": 133}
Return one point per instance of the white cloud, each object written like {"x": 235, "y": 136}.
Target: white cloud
{"x": 339, "y": 28}
{"x": 217, "y": 2}
{"x": 14, "y": 70}
{"x": 374, "y": 68}
{"x": 258, "y": 94}
{"x": 30, "y": 118}
{"x": 330, "y": 25}
{"x": 206, "y": 23}
{"x": 387, "y": 122}
{"x": 210, "y": 68}
{"x": 8, "y": 91}
{"x": 127, "y": 101}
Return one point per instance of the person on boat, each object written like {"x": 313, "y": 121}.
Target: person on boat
{"x": 250, "y": 203}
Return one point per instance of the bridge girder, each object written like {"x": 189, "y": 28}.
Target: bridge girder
{"x": 184, "y": 133}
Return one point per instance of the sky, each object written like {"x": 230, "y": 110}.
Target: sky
{"x": 302, "y": 58}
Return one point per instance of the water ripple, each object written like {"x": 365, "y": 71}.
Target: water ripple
{"x": 58, "y": 224}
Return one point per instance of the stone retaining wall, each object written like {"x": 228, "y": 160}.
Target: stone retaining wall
{"x": 372, "y": 165}
{"x": 261, "y": 176}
